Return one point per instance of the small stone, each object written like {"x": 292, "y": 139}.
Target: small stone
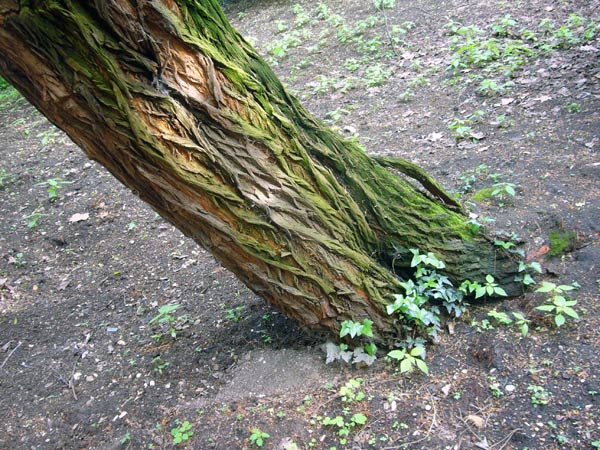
{"x": 112, "y": 330}
{"x": 509, "y": 388}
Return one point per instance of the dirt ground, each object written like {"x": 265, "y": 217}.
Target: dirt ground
{"x": 82, "y": 275}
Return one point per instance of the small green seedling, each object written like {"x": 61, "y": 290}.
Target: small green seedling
{"x": 235, "y": 314}
{"x": 490, "y": 287}
{"x": 258, "y": 437}
{"x": 517, "y": 318}
{"x": 164, "y": 316}
{"x": 525, "y": 277}
{"x": 33, "y": 219}
{"x": 557, "y": 303}
{"x": 182, "y": 433}
{"x": 160, "y": 366}
{"x": 489, "y": 88}
{"x": 53, "y": 186}
{"x": 344, "y": 426}
{"x": 539, "y": 395}
{"x": 17, "y": 260}
{"x": 126, "y": 438}
{"x": 410, "y": 359}
{"x": 495, "y": 387}
{"x": 349, "y": 392}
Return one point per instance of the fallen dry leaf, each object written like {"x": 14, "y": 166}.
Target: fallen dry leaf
{"x": 79, "y": 217}
{"x": 63, "y": 284}
{"x": 434, "y": 137}
{"x": 538, "y": 253}
{"x": 479, "y": 422}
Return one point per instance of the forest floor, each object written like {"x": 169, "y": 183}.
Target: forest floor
{"x": 499, "y": 100}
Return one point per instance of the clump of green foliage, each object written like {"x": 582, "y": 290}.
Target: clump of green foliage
{"x": 500, "y": 51}
{"x": 558, "y": 303}
{"x": 561, "y": 242}
{"x": 258, "y": 437}
{"x": 8, "y": 94}
{"x": 182, "y": 432}
{"x": 349, "y": 394}
{"x": 500, "y": 193}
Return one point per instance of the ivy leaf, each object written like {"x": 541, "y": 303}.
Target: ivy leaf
{"x": 350, "y": 327}
{"x": 366, "y": 328}
{"x": 371, "y": 349}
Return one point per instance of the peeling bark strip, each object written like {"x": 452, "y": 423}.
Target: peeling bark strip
{"x": 177, "y": 105}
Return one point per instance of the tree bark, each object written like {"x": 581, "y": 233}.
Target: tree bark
{"x": 180, "y": 108}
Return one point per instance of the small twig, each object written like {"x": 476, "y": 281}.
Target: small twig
{"x": 10, "y": 354}
{"x": 368, "y": 427}
{"x": 388, "y": 31}
{"x": 59, "y": 377}
{"x": 71, "y": 380}
{"x": 468, "y": 426}
{"x": 505, "y": 440}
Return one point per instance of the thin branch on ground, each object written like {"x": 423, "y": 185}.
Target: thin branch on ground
{"x": 10, "y": 354}
{"x": 504, "y": 441}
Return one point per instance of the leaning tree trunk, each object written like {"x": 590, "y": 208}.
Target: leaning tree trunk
{"x": 178, "y": 106}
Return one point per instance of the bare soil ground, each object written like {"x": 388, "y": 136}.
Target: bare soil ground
{"x": 83, "y": 364}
